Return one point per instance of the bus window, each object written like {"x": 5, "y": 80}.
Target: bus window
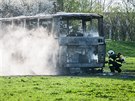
{"x": 64, "y": 28}
{"x": 19, "y": 23}
{"x": 88, "y": 28}
{"x": 91, "y": 28}
{"x": 45, "y": 24}
{"x": 71, "y": 27}
{"x": 75, "y": 28}
{"x": 31, "y": 23}
{"x": 7, "y": 23}
{"x": 94, "y": 28}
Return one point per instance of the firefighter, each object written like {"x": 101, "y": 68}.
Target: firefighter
{"x": 113, "y": 62}
{"x": 120, "y": 58}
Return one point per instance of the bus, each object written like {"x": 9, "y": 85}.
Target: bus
{"x": 80, "y": 38}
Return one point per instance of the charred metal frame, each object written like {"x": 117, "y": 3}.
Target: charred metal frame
{"x": 75, "y": 52}
{"x": 69, "y": 44}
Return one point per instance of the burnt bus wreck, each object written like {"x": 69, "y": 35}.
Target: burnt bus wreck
{"x": 79, "y": 35}
{"x": 81, "y": 40}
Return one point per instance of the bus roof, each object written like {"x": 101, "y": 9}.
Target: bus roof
{"x": 78, "y": 14}
{"x": 49, "y": 16}
{"x": 26, "y": 17}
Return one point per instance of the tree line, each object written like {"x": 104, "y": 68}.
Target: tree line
{"x": 119, "y": 18}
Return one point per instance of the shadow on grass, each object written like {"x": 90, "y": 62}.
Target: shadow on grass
{"x": 125, "y": 75}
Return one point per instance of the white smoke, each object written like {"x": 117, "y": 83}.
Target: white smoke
{"x": 27, "y": 52}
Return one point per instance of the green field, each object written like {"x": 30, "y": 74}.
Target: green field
{"x": 125, "y": 47}
{"x": 63, "y": 88}
{"x": 119, "y": 87}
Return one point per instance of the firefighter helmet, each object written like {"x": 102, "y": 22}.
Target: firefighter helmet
{"x": 110, "y": 52}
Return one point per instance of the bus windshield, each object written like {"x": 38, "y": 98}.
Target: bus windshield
{"x": 79, "y": 27}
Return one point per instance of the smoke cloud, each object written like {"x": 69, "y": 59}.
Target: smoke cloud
{"x": 27, "y": 52}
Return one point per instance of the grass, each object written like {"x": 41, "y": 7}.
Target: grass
{"x": 126, "y": 48}
{"x": 120, "y": 87}
{"x": 66, "y": 88}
